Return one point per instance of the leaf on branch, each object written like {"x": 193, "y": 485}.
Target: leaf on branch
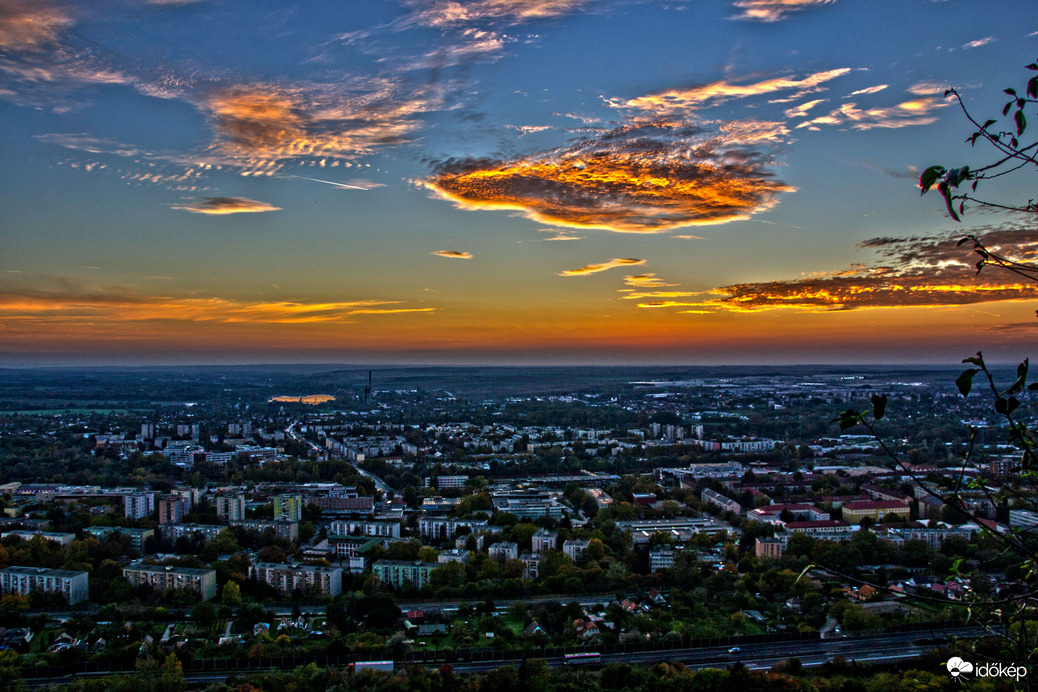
{"x": 977, "y": 360}
{"x": 1006, "y": 406}
{"x": 929, "y": 177}
{"x": 1032, "y": 87}
{"x": 988, "y": 124}
{"x": 879, "y": 406}
{"x": 1021, "y": 378}
{"x": 942, "y": 187}
{"x": 965, "y": 381}
{"x": 848, "y": 419}
{"x": 1021, "y": 122}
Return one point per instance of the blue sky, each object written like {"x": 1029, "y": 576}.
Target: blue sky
{"x": 502, "y": 181}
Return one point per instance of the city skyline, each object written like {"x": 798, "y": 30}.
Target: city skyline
{"x": 503, "y": 182}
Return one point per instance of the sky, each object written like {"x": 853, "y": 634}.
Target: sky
{"x": 505, "y": 182}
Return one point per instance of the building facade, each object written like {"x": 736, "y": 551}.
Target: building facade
{"x": 302, "y": 578}
{"x": 74, "y": 586}
{"x": 162, "y": 577}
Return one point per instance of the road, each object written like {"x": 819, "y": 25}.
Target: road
{"x": 876, "y": 649}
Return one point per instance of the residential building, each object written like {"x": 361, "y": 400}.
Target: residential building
{"x": 299, "y": 578}
{"x": 876, "y": 510}
{"x": 771, "y": 548}
{"x": 53, "y": 537}
{"x": 531, "y": 565}
{"x": 138, "y": 505}
{"x": 431, "y": 526}
{"x": 171, "y": 509}
{"x": 161, "y": 577}
{"x": 137, "y": 536}
{"x": 73, "y": 585}
{"x": 719, "y": 500}
{"x": 396, "y": 572}
{"x": 176, "y": 531}
{"x": 663, "y": 557}
{"x": 545, "y": 539}
{"x": 574, "y": 548}
{"x": 381, "y": 528}
{"x": 504, "y": 550}
{"x": 231, "y": 506}
{"x": 442, "y": 482}
{"x": 287, "y": 530}
{"x": 288, "y": 507}
{"x": 454, "y": 555}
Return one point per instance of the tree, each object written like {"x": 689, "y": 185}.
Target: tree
{"x": 231, "y": 594}
{"x": 1011, "y": 155}
{"x": 1004, "y": 614}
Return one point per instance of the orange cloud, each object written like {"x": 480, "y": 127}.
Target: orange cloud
{"x": 226, "y": 205}
{"x": 452, "y": 254}
{"x": 921, "y": 271}
{"x": 683, "y": 100}
{"x": 773, "y": 10}
{"x": 595, "y": 268}
{"x": 69, "y": 303}
{"x": 28, "y": 25}
{"x": 447, "y": 13}
{"x": 645, "y": 281}
{"x": 262, "y": 126}
{"x": 641, "y": 178}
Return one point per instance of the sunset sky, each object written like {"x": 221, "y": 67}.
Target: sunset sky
{"x": 504, "y": 181}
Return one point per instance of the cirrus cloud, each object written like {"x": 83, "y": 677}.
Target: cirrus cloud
{"x": 601, "y": 267}
{"x": 773, "y": 10}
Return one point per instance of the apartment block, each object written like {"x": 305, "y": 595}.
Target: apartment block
{"x": 171, "y": 509}
{"x": 138, "y": 505}
{"x": 395, "y": 572}
{"x": 74, "y": 586}
{"x": 381, "y": 528}
{"x": 288, "y": 507}
{"x": 137, "y": 536}
{"x": 162, "y": 577}
{"x": 574, "y": 548}
{"x": 504, "y": 550}
{"x": 290, "y": 578}
{"x": 545, "y": 539}
{"x": 231, "y": 507}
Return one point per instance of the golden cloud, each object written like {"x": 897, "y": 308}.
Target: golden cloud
{"x": 29, "y": 25}
{"x": 684, "y": 100}
{"x": 645, "y": 281}
{"x": 226, "y": 205}
{"x": 446, "y": 13}
{"x": 66, "y": 302}
{"x": 642, "y": 178}
{"x": 911, "y": 272}
{"x": 452, "y": 254}
{"x": 773, "y": 10}
{"x": 261, "y": 127}
{"x": 604, "y": 266}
